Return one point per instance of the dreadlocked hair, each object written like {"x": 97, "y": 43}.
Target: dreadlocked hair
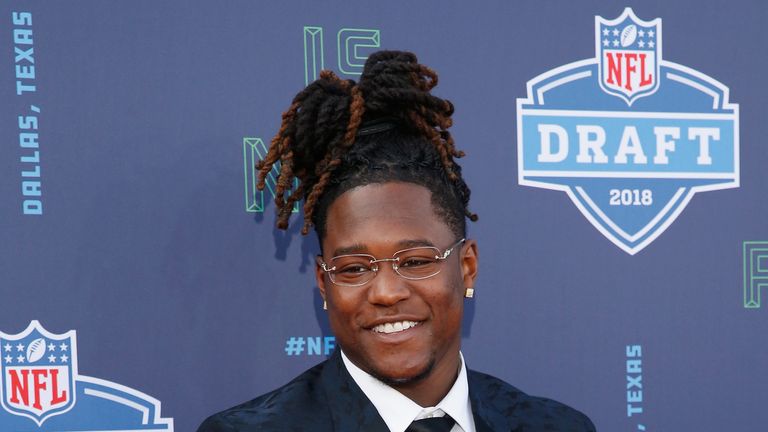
{"x": 320, "y": 143}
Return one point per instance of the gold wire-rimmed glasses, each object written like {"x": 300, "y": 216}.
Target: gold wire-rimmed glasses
{"x": 414, "y": 263}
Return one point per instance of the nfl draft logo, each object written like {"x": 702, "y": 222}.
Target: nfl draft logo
{"x": 38, "y": 372}
{"x": 629, "y": 137}
{"x": 41, "y": 390}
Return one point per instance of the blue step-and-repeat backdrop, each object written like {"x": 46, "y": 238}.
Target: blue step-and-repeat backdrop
{"x": 617, "y": 158}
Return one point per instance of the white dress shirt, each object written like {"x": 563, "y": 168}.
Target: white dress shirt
{"x": 398, "y": 411}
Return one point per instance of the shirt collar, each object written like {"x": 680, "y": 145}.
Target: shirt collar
{"x": 398, "y": 411}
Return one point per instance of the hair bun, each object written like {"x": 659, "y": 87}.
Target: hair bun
{"x": 394, "y": 84}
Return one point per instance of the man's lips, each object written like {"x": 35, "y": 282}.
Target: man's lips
{"x": 394, "y": 327}
{"x": 391, "y": 325}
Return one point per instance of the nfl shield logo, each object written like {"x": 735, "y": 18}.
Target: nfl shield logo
{"x": 629, "y": 52}
{"x": 39, "y": 369}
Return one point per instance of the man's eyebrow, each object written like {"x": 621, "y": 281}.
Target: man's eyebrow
{"x": 360, "y": 248}
{"x": 351, "y": 249}
{"x": 404, "y": 244}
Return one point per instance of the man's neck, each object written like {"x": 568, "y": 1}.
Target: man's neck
{"x": 398, "y": 410}
{"x": 432, "y": 389}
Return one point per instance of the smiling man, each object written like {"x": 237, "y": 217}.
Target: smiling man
{"x": 403, "y": 324}
{"x": 382, "y": 190}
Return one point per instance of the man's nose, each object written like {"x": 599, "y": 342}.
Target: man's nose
{"x": 387, "y": 287}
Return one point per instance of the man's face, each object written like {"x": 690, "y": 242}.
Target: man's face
{"x": 379, "y": 220}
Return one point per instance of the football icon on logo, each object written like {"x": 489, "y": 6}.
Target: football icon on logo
{"x": 628, "y": 35}
{"x": 35, "y": 350}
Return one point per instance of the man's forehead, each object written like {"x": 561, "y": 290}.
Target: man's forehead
{"x": 393, "y": 246}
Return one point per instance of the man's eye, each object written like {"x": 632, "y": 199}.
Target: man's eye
{"x": 416, "y": 262}
{"x": 353, "y": 269}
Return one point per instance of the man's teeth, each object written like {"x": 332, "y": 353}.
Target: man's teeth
{"x": 394, "y": 327}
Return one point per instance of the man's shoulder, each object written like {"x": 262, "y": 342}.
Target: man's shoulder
{"x": 505, "y": 407}
{"x": 296, "y": 404}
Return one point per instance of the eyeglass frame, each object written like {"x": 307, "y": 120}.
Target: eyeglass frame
{"x": 394, "y": 260}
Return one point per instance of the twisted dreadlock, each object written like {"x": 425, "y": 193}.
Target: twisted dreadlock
{"x": 320, "y": 142}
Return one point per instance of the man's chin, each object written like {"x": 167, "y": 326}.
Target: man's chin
{"x": 399, "y": 380}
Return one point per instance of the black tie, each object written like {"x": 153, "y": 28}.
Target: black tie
{"x": 432, "y": 424}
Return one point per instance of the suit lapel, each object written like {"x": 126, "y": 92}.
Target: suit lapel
{"x": 485, "y": 398}
{"x": 350, "y": 408}
{"x": 480, "y": 424}
{"x": 480, "y": 413}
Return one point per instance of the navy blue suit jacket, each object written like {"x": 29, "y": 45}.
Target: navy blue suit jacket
{"x": 326, "y": 398}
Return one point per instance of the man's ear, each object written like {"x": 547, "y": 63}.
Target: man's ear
{"x": 469, "y": 263}
{"x": 320, "y": 276}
